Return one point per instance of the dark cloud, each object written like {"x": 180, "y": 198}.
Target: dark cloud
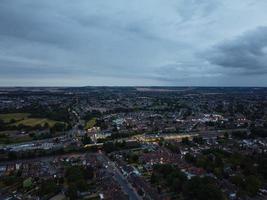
{"x": 246, "y": 53}
{"x": 151, "y": 42}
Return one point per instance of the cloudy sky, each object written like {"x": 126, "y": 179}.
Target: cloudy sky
{"x": 136, "y": 42}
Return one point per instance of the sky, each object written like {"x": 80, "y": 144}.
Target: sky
{"x": 133, "y": 43}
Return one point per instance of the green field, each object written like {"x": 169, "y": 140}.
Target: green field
{"x": 36, "y": 121}
{"x": 91, "y": 123}
{"x": 8, "y": 134}
{"x": 26, "y": 120}
{"x": 14, "y": 116}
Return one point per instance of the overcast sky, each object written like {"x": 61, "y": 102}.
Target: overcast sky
{"x": 134, "y": 42}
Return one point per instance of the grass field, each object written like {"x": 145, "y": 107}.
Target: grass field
{"x": 36, "y": 121}
{"x": 16, "y": 116}
{"x": 25, "y": 119}
{"x": 12, "y": 120}
{"x": 91, "y": 123}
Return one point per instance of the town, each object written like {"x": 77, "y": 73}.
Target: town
{"x": 188, "y": 143}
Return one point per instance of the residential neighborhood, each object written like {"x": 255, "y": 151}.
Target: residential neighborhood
{"x": 127, "y": 143}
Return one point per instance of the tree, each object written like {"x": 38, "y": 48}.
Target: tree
{"x": 75, "y": 173}
{"x": 59, "y": 126}
{"x": 109, "y": 147}
{"x": 76, "y": 178}
{"x": 132, "y": 157}
{"x": 190, "y": 158}
{"x": 259, "y": 132}
{"x": 239, "y": 134}
{"x": 185, "y": 141}
{"x": 86, "y": 140}
{"x": 27, "y": 183}
{"x": 2, "y": 125}
{"x": 38, "y": 127}
{"x": 201, "y": 189}
{"x": 89, "y": 173}
{"x": 168, "y": 176}
{"x": 237, "y": 180}
{"x": 226, "y": 135}
{"x": 46, "y": 125}
{"x": 252, "y": 185}
{"x": 12, "y": 121}
{"x": 198, "y": 140}
{"x": 72, "y": 191}
{"x": 48, "y": 187}
{"x": 249, "y": 185}
{"x": 172, "y": 147}
{"x": 10, "y": 180}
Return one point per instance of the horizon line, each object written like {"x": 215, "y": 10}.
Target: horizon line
{"x": 133, "y": 86}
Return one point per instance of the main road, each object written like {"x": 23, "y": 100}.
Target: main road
{"x": 125, "y": 185}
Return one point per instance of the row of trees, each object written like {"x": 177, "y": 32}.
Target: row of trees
{"x": 224, "y": 164}
{"x": 176, "y": 182}
{"x": 76, "y": 178}
{"x": 116, "y": 146}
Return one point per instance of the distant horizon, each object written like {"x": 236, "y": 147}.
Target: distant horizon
{"x": 132, "y": 86}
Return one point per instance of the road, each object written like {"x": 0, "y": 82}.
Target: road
{"x": 110, "y": 166}
{"x": 179, "y": 136}
{"x": 125, "y": 185}
{"x": 42, "y": 159}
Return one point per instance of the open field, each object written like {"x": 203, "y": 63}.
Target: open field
{"x": 15, "y": 119}
{"x": 14, "y": 116}
{"x": 91, "y": 123}
{"x": 11, "y": 134}
{"x": 36, "y": 121}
